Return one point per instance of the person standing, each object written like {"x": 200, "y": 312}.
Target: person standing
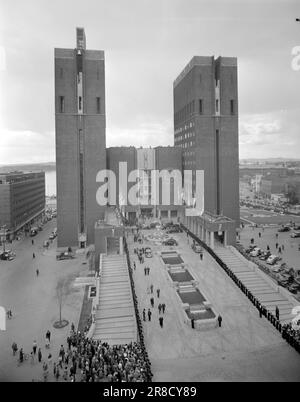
{"x": 163, "y": 306}
{"x": 145, "y": 270}
{"x": 151, "y": 289}
{"x": 158, "y": 292}
{"x": 32, "y": 242}
{"x": 34, "y": 347}
{"x": 14, "y": 347}
{"x": 220, "y": 320}
{"x": 48, "y": 335}
{"x": 40, "y": 355}
{"x": 144, "y": 315}
{"x": 33, "y": 255}
{"x": 161, "y": 321}
{"x": 201, "y": 256}
{"x": 152, "y": 302}
{"x": 134, "y": 265}
{"x": 277, "y": 312}
{"x": 149, "y": 314}
{"x": 37, "y": 272}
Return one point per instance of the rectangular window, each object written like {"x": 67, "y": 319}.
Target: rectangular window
{"x": 80, "y": 103}
{"x": 232, "y": 106}
{"x": 217, "y": 106}
{"x": 61, "y": 104}
{"x": 98, "y": 105}
{"x": 200, "y": 106}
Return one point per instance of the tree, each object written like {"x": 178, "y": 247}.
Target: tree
{"x": 62, "y": 290}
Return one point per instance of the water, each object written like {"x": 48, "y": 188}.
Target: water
{"x": 50, "y": 178}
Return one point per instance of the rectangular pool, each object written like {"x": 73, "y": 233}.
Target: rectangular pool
{"x": 193, "y": 297}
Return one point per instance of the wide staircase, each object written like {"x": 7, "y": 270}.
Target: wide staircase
{"x": 258, "y": 286}
{"x": 115, "y": 316}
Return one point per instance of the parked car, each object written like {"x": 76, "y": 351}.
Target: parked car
{"x": 197, "y": 248}
{"x": 170, "y": 242}
{"x": 295, "y": 234}
{"x": 33, "y": 231}
{"x": 256, "y": 252}
{"x": 65, "y": 256}
{"x": 174, "y": 229}
{"x": 264, "y": 255}
{"x": 272, "y": 259}
{"x": 293, "y": 288}
{"x": 153, "y": 225}
{"x": 284, "y": 229}
{"x": 148, "y": 252}
{"x": 7, "y": 255}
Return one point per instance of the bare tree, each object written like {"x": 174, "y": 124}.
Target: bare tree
{"x": 62, "y": 291}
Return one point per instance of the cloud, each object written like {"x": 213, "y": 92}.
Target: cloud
{"x": 26, "y": 146}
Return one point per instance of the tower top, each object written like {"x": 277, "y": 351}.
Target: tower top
{"x": 80, "y": 38}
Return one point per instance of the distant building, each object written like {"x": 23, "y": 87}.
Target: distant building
{"x": 206, "y": 129}
{"x": 22, "y": 201}
{"x": 80, "y": 140}
{"x": 145, "y": 160}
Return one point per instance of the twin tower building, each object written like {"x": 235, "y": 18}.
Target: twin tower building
{"x": 205, "y": 100}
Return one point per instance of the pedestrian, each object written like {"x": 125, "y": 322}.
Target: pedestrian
{"x": 134, "y": 265}
{"x": 201, "y": 256}
{"x": 282, "y": 247}
{"x": 276, "y": 235}
{"x": 158, "y": 292}
{"x": 32, "y": 242}
{"x": 37, "y": 272}
{"x": 277, "y": 312}
{"x": 159, "y": 308}
{"x": 54, "y": 369}
{"x": 145, "y": 270}
{"x": 220, "y": 320}
{"x": 163, "y": 306}
{"x": 149, "y": 314}
{"x": 152, "y": 302}
{"x": 279, "y": 250}
{"x": 47, "y": 343}
{"x": 144, "y": 315}
{"x": 161, "y": 321}
{"x": 48, "y": 335}
{"x": 14, "y": 347}
{"x": 259, "y": 234}
{"x": 148, "y": 269}
{"x": 151, "y": 288}
{"x": 34, "y": 347}
{"x": 40, "y": 355}
{"x": 33, "y": 255}
{"x": 72, "y": 327}
{"x": 268, "y": 248}
{"x": 49, "y": 359}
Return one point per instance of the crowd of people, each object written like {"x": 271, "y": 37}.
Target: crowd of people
{"x": 288, "y": 333}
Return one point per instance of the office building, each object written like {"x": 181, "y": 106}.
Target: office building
{"x": 22, "y": 201}
{"x": 80, "y": 140}
{"x": 206, "y": 129}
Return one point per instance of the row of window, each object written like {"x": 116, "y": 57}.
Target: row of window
{"x": 61, "y": 73}
{"x": 186, "y": 112}
{"x": 80, "y": 107}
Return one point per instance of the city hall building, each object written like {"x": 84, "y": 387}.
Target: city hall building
{"x": 205, "y": 138}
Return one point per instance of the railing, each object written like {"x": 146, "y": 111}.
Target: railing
{"x": 137, "y": 314}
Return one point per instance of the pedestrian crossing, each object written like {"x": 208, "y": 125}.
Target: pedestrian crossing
{"x": 258, "y": 286}
{"x": 115, "y": 321}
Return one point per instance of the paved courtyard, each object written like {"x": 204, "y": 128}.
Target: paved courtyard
{"x": 34, "y": 304}
{"x": 245, "y": 348}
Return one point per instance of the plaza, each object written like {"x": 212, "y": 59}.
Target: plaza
{"x": 245, "y": 348}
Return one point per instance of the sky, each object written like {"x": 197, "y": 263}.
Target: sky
{"x": 147, "y": 43}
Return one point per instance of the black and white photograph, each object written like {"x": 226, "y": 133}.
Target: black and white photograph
{"x": 149, "y": 194}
